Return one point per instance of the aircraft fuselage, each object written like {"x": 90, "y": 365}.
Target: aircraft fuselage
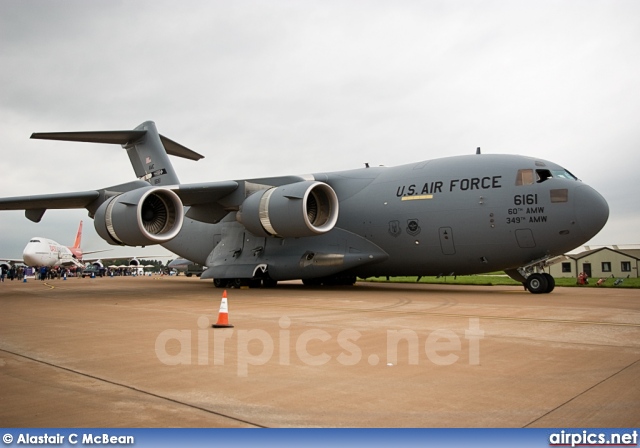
{"x": 448, "y": 216}
{"x": 456, "y": 215}
{"x": 45, "y": 252}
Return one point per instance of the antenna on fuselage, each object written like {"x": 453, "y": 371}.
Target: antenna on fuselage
{"x": 478, "y": 150}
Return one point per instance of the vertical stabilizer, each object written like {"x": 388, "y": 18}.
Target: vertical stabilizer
{"x": 149, "y": 158}
{"x": 78, "y": 241}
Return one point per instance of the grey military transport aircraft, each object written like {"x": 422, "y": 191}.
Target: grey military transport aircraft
{"x": 450, "y": 216}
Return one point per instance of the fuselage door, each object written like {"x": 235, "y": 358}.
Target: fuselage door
{"x": 446, "y": 241}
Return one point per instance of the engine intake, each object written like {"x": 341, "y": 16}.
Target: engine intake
{"x": 149, "y": 215}
{"x": 301, "y": 209}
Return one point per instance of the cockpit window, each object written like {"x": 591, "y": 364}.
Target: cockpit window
{"x": 563, "y": 174}
{"x": 525, "y": 177}
{"x": 543, "y": 175}
{"x": 34, "y": 241}
{"x": 557, "y": 174}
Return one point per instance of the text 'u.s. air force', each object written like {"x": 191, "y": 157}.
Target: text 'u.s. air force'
{"x": 467, "y": 184}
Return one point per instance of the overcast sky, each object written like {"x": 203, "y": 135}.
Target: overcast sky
{"x": 276, "y": 87}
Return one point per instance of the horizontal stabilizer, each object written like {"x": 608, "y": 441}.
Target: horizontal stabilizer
{"x": 123, "y": 138}
{"x": 112, "y": 137}
{"x": 176, "y": 149}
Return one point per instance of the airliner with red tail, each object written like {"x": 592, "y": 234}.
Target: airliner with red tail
{"x": 46, "y": 252}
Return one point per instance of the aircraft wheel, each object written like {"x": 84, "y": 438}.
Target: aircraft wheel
{"x": 551, "y": 283}
{"x": 239, "y": 282}
{"x": 348, "y": 281}
{"x": 537, "y": 284}
{"x": 220, "y": 282}
{"x": 269, "y": 283}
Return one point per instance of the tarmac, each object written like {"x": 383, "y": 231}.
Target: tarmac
{"x": 141, "y": 352}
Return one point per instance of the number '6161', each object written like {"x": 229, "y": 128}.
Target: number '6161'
{"x": 525, "y": 199}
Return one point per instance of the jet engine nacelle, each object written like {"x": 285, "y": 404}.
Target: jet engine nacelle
{"x": 301, "y": 209}
{"x": 149, "y": 215}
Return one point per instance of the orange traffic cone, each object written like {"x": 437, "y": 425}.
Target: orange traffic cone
{"x": 223, "y": 315}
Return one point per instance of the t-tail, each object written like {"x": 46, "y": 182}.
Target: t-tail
{"x": 147, "y": 150}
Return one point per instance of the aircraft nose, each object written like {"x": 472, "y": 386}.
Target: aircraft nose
{"x": 592, "y": 211}
{"x": 29, "y": 256}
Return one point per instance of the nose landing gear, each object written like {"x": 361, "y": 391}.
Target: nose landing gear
{"x": 540, "y": 283}
{"x": 533, "y": 277}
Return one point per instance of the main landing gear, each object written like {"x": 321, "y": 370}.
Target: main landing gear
{"x": 334, "y": 280}
{"x": 268, "y": 282}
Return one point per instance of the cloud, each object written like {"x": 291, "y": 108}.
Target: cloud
{"x": 287, "y": 87}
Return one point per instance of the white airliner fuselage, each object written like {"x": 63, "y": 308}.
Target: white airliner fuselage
{"x": 45, "y": 252}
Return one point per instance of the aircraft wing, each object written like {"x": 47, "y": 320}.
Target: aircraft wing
{"x": 205, "y": 193}
{"x": 190, "y": 194}
{"x": 36, "y": 205}
{"x": 11, "y": 260}
{"x": 94, "y": 251}
{"x": 179, "y": 262}
{"x": 203, "y": 197}
{"x": 57, "y": 200}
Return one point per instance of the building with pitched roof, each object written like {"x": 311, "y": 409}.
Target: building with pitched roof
{"x": 598, "y": 263}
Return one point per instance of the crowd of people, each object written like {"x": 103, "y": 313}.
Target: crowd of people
{"x": 46, "y": 273}
{"x": 20, "y": 272}
{"x": 13, "y": 273}
{"x": 58, "y": 272}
